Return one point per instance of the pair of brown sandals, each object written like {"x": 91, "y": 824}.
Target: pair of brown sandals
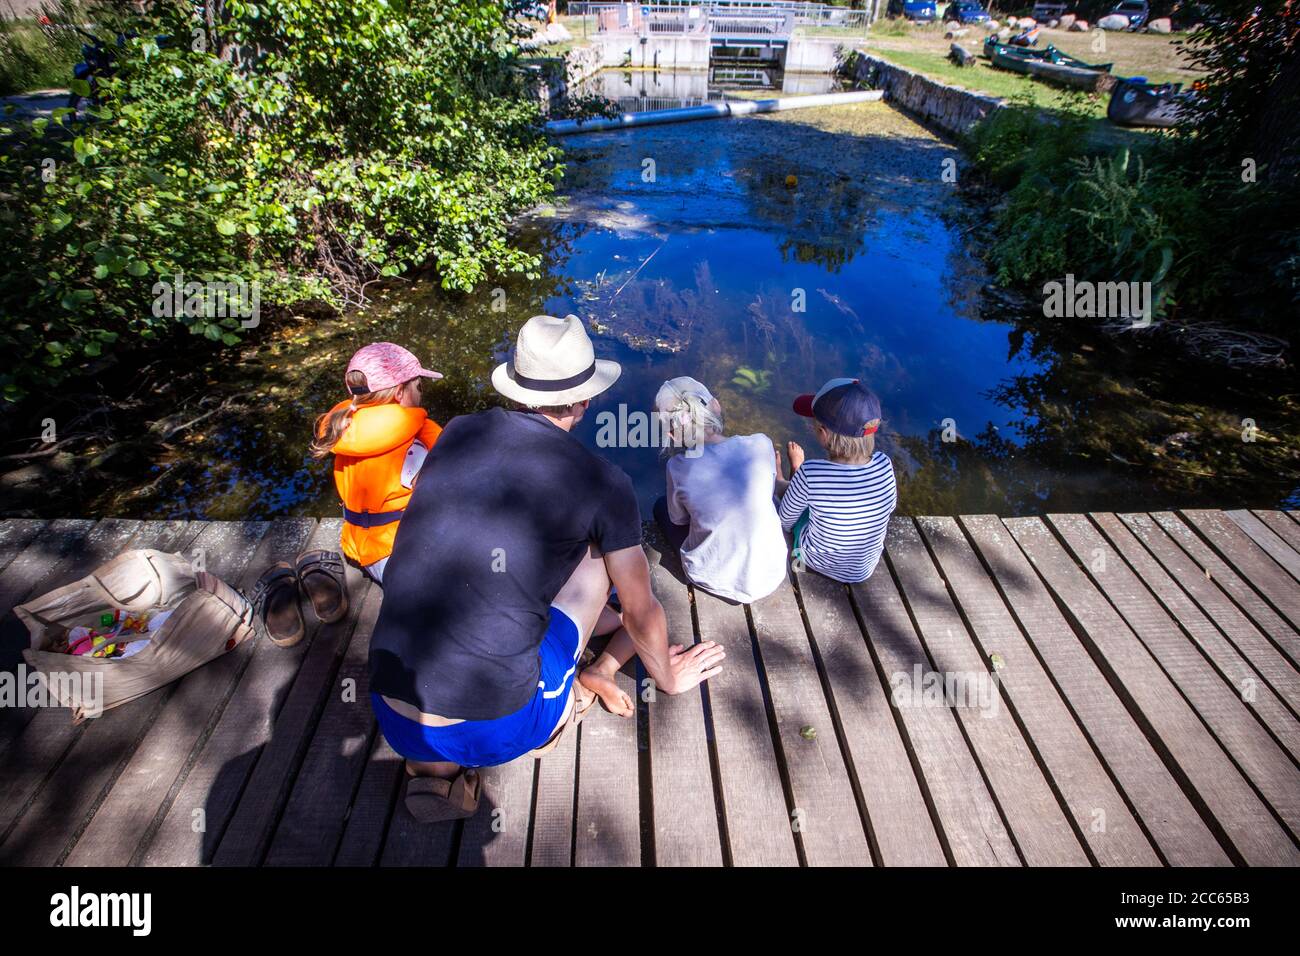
{"x": 317, "y": 575}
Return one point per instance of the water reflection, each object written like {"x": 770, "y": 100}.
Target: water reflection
{"x": 762, "y": 256}
{"x": 639, "y": 90}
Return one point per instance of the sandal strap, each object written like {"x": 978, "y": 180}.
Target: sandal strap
{"x": 328, "y": 562}
{"x": 269, "y": 578}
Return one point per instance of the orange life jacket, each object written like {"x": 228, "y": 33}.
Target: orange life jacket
{"x": 368, "y": 462}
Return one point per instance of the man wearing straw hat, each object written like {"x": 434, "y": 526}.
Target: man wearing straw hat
{"x": 501, "y": 570}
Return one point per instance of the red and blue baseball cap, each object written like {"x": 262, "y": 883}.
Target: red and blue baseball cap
{"x": 844, "y": 406}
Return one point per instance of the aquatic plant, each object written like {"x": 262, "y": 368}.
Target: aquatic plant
{"x": 753, "y": 380}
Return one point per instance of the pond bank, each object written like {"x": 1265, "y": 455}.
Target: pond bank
{"x": 764, "y": 257}
{"x": 951, "y": 109}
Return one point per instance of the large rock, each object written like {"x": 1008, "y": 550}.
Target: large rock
{"x": 1079, "y": 26}
{"x": 954, "y": 34}
{"x": 960, "y": 55}
{"x": 1113, "y": 21}
{"x": 1012, "y": 21}
{"x": 950, "y": 26}
{"x": 1161, "y": 25}
{"x": 1053, "y": 23}
{"x": 1027, "y": 22}
{"x": 1067, "y": 21}
{"x": 990, "y": 26}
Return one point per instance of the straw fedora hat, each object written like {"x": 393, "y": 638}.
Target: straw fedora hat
{"x": 553, "y": 364}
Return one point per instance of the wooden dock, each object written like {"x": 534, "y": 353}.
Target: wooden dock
{"x": 1129, "y": 696}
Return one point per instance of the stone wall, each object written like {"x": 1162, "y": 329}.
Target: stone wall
{"x": 952, "y": 109}
{"x": 557, "y": 76}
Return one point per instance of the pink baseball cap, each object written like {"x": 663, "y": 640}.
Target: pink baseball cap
{"x": 386, "y": 365}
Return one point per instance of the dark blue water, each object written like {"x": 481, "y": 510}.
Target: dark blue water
{"x": 721, "y": 269}
{"x": 761, "y": 255}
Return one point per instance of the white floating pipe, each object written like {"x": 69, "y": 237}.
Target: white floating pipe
{"x": 681, "y": 114}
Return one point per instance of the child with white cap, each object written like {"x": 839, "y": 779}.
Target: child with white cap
{"x": 718, "y": 513}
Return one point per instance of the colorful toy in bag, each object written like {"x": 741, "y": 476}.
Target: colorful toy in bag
{"x": 113, "y": 636}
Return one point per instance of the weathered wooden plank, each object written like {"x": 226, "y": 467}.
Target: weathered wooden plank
{"x": 1282, "y": 634}
{"x": 972, "y": 828}
{"x": 553, "y": 810}
{"x": 199, "y": 813}
{"x": 1262, "y": 654}
{"x": 159, "y": 762}
{"x": 1161, "y": 806}
{"x": 25, "y": 572}
{"x": 248, "y": 834}
{"x": 1246, "y": 683}
{"x": 1255, "y": 753}
{"x": 308, "y": 831}
{"x": 607, "y": 825}
{"x": 686, "y": 831}
{"x": 1039, "y": 825}
{"x": 411, "y": 843}
{"x": 1060, "y": 743}
{"x": 1268, "y": 540}
{"x": 758, "y": 825}
{"x": 1250, "y": 560}
{"x": 1221, "y": 792}
{"x": 1282, "y": 526}
{"x": 82, "y": 779}
{"x": 497, "y": 835}
{"x": 15, "y": 535}
{"x": 900, "y": 829}
{"x": 825, "y": 807}
{"x": 367, "y": 824}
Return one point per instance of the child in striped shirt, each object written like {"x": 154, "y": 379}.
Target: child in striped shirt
{"x": 839, "y": 508}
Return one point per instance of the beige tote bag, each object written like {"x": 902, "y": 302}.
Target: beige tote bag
{"x": 208, "y": 618}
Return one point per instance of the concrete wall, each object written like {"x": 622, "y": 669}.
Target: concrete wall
{"x": 813, "y": 55}
{"x": 656, "y": 52}
{"x": 951, "y": 109}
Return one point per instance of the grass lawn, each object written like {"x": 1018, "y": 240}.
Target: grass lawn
{"x": 922, "y": 48}
{"x": 31, "y": 61}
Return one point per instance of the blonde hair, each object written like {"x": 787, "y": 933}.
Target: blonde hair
{"x": 847, "y": 447}
{"x": 684, "y": 407}
{"x": 331, "y": 426}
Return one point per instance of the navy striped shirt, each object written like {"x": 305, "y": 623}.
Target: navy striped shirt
{"x": 848, "y": 514}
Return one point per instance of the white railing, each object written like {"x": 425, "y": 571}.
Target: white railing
{"x": 696, "y": 16}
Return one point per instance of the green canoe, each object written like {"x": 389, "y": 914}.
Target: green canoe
{"x": 1015, "y": 58}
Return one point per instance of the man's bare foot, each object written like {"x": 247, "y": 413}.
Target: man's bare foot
{"x": 606, "y": 688}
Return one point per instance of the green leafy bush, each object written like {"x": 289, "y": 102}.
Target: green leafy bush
{"x": 1112, "y": 214}
{"x": 306, "y": 145}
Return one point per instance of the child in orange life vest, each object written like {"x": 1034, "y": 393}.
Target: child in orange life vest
{"x": 379, "y": 439}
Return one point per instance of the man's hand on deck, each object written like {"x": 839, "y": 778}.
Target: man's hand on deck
{"x": 693, "y": 665}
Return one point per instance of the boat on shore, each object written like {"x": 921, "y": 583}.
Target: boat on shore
{"x": 1018, "y": 58}
{"x": 1135, "y": 102}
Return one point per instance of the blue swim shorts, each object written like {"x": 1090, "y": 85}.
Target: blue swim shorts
{"x": 486, "y": 743}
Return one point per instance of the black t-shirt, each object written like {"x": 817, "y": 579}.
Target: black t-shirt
{"x": 504, "y": 510}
